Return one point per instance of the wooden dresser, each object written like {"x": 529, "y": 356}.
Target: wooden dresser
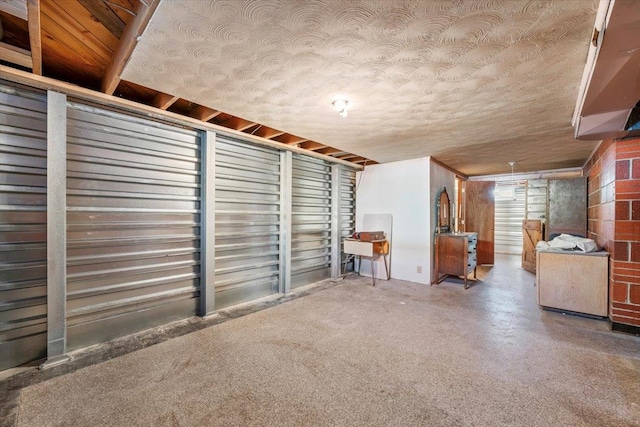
{"x": 455, "y": 256}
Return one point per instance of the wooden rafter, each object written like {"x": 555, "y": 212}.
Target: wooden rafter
{"x": 128, "y": 41}
{"x": 164, "y": 100}
{"x": 15, "y": 55}
{"x": 204, "y": 113}
{"x": 35, "y": 35}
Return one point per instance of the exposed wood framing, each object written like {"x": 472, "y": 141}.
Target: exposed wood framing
{"x": 289, "y": 139}
{"x": 164, "y": 100}
{"x": 14, "y": 7}
{"x": 35, "y": 35}
{"x": 239, "y": 124}
{"x": 348, "y": 156}
{"x": 204, "y": 113}
{"x": 47, "y": 83}
{"x": 267, "y": 132}
{"x": 312, "y": 145}
{"x": 329, "y": 151}
{"x": 15, "y": 55}
{"x": 105, "y": 16}
{"x": 128, "y": 41}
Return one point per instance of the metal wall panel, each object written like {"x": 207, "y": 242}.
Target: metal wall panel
{"x": 310, "y": 220}
{"x": 510, "y": 211}
{"x": 347, "y": 210}
{"x": 23, "y": 229}
{"x": 133, "y": 224}
{"x": 247, "y": 225}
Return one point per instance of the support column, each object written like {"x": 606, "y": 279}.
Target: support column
{"x": 56, "y": 229}
{"x": 207, "y": 223}
{"x": 336, "y": 220}
{"x": 286, "y": 162}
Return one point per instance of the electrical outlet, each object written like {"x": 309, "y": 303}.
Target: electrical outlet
{"x": 419, "y": 269}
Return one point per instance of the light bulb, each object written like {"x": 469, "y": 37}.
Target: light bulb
{"x": 341, "y": 105}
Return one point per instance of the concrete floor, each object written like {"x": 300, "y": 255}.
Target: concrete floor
{"x": 398, "y": 354}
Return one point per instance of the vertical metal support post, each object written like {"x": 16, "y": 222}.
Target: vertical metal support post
{"x": 286, "y": 164}
{"x": 56, "y": 229}
{"x": 207, "y": 223}
{"x": 336, "y": 220}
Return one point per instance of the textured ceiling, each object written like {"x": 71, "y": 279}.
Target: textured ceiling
{"x": 473, "y": 83}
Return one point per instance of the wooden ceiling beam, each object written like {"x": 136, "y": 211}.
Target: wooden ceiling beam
{"x": 35, "y": 35}
{"x": 164, "y": 100}
{"x": 204, "y": 113}
{"x": 15, "y": 55}
{"x": 128, "y": 42}
{"x": 312, "y": 145}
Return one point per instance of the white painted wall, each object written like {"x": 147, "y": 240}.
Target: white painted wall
{"x": 439, "y": 179}
{"x": 401, "y": 189}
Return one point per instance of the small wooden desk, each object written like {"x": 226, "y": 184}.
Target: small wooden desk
{"x": 368, "y": 250}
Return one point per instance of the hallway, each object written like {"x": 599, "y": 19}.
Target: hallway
{"x": 397, "y": 354}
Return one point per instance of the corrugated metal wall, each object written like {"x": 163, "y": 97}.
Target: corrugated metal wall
{"x": 347, "y": 209}
{"x": 310, "y": 220}
{"x": 23, "y": 227}
{"x": 247, "y": 222}
{"x": 133, "y": 224}
{"x": 509, "y": 213}
{"x": 134, "y": 208}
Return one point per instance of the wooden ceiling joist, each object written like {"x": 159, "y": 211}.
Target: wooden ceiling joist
{"x": 361, "y": 160}
{"x": 105, "y": 15}
{"x": 204, "y": 113}
{"x": 348, "y": 156}
{"x": 289, "y": 139}
{"x": 164, "y": 100}
{"x": 312, "y": 145}
{"x": 128, "y": 41}
{"x": 330, "y": 151}
{"x": 35, "y": 35}
{"x": 16, "y": 8}
{"x": 15, "y": 55}
{"x": 267, "y": 132}
{"x": 241, "y": 124}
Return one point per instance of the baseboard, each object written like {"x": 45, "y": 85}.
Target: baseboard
{"x": 621, "y": 327}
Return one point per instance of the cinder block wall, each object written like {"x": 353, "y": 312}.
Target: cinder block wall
{"x": 614, "y": 222}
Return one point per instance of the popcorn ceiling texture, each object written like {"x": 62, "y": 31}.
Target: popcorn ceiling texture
{"x": 474, "y": 83}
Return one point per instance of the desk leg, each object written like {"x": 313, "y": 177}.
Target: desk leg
{"x": 386, "y": 267}
{"x": 373, "y": 273}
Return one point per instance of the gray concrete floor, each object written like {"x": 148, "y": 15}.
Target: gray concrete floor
{"x": 397, "y": 354}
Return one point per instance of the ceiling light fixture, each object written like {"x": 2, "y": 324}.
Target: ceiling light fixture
{"x": 341, "y": 105}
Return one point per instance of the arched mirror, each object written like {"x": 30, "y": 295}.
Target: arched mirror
{"x": 444, "y": 213}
